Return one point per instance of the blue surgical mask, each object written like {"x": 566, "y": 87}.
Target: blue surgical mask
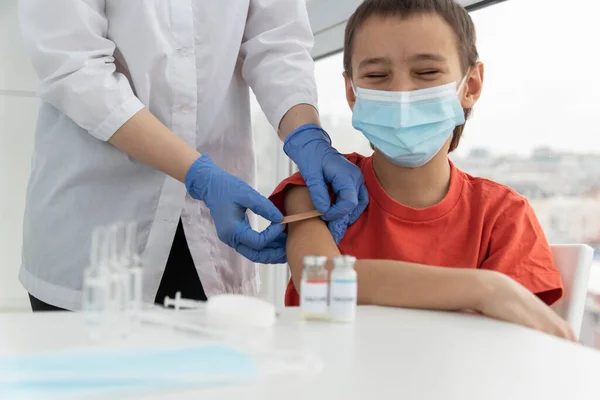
{"x": 409, "y": 128}
{"x": 120, "y": 372}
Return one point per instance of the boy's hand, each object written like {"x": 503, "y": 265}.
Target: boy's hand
{"x": 508, "y": 300}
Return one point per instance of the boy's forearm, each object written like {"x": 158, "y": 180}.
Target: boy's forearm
{"x": 297, "y": 247}
{"x": 402, "y": 284}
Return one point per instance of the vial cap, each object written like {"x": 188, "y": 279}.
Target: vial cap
{"x": 315, "y": 260}
{"x": 309, "y": 260}
{"x": 321, "y": 260}
{"x": 344, "y": 261}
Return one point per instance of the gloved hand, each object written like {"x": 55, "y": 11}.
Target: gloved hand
{"x": 320, "y": 164}
{"x": 228, "y": 198}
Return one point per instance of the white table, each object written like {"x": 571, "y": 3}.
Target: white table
{"x": 386, "y": 354}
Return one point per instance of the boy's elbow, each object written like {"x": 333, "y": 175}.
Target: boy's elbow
{"x": 368, "y": 295}
{"x": 365, "y": 300}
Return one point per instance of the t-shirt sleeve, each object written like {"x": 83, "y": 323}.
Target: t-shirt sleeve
{"x": 278, "y": 195}
{"x": 519, "y": 248}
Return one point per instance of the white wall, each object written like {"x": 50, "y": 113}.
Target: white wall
{"x": 18, "y": 110}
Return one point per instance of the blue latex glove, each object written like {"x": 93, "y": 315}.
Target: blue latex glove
{"x": 320, "y": 164}
{"x": 228, "y": 198}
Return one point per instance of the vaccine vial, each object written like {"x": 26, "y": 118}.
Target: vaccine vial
{"x": 343, "y": 296}
{"x": 314, "y": 288}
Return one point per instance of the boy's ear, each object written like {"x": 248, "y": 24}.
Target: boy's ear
{"x": 473, "y": 86}
{"x": 350, "y": 97}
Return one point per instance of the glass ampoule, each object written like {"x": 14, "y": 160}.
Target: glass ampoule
{"x": 96, "y": 287}
{"x": 135, "y": 275}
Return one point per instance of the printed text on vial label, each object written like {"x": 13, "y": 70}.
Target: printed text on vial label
{"x": 314, "y": 297}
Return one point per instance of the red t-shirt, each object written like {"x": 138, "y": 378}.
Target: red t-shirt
{"x": 478, "y": 224}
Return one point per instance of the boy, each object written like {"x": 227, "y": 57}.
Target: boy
{"x": 432, "y": 236}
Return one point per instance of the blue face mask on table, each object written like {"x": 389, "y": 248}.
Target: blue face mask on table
{"x": 115, "y": 372}
{"x": 409, "y": 128}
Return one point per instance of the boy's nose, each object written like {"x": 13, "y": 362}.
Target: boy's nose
{"x": 401, "y": 84}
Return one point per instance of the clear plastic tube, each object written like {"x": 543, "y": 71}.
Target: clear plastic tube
{"x": 135, "y": 275}
{"x": 96, "y": 287}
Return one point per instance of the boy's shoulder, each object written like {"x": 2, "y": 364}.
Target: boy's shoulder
{"x": 356, "y": 158}
{"x": 492, "y": 194}
{"x": 277, "y": 197}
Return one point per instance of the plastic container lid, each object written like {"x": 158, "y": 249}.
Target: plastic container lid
{"x": 240, "y": 310}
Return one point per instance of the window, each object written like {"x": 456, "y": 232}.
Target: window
{"x": 537, "y": 113}
{"x": 533, "y": 128}
{"x": 336, "y": 116}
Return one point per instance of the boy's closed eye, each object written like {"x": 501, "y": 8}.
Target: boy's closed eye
{"x": 431, "y": 72}
{"x": 376, "y": 76}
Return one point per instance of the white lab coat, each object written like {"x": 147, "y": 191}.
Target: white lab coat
{"x": 190, "y": 62}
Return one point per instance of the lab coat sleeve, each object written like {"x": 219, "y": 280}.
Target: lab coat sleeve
{"x": 276, "y": 52}
{"x": 68, "y": 46}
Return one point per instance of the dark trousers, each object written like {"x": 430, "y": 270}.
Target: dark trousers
{"x": 180, "y": 276}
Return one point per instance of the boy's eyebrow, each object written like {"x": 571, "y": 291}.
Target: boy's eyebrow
{"x": 427, "y": 57}
{"x": 373, "y": 60}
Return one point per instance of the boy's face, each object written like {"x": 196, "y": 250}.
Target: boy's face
{"x": 396, "y": 54}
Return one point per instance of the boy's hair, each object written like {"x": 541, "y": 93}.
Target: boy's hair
{"x": 453, "y": 13}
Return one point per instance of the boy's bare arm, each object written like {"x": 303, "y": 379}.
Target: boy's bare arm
{"x": 308, "y": 237}
{"x": 403, "y": 284}
{"x": 382, "y": 282}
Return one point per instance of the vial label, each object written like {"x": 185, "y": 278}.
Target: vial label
{"x": 343, "y": 299}
{"x": 314, "y": 297}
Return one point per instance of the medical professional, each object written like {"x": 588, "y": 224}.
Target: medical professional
{"x": 145, "y": 116}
